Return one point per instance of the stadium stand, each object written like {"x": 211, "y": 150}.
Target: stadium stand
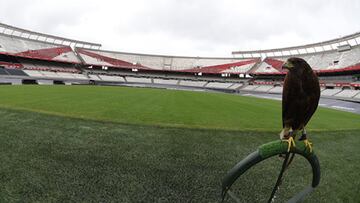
{"x": 9, "y": 61}
{"x": 250, "y": 87}
{"x": 111, "y": 78}
{"x": 325, "y": 62}
{"x": 15, "y": 72}
{"x": 80, "y": 76}
{"x": 46, "y": 66}
{"x": 65, "y": 75}
{"x": 31, "y": 57}
{"x": 330, "y": 92}
{"x": 55, "y": 75}
{"x": 235, "y": 68}
{"x": 235, "y": 86}
{"x": 49, "y": 74}
{"x": 166, "y": 82}
{"x": 357, "y": 96}
{"x": 276, "y": 90}
{"x": 336, "y": 55}
{"x": 347, "y": 93}
{"x": 12, "y": 72}
{"x": 3, "y": 72}
{"x": 218, "y": 85}
{"x": 192, "y": 83}
{"x": 94, "y": 77}
{"x": 34, "y": 73}
{"x": 267, "y": 66}
{"x": 263, "y": 88}
{"x": 138, "y": 80}
{"x": 165, "y": 63}
{"x": 16, "y": 46}
{"x": 12, "y": 81}
{"x": 45, "y": 82}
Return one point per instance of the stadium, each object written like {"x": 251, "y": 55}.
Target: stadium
{"x": 84, "y": 124}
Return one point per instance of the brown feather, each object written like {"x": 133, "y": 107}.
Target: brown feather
{"x": 301, "y": 93}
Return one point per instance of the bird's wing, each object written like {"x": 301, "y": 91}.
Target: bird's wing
{"x": 293, "y": 101}
{"x": 313, "y": 98}
{"x": 286, "y": 98}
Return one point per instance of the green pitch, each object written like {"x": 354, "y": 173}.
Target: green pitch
{"x": 103, "y": 144}
{"x": 163, "y": 108}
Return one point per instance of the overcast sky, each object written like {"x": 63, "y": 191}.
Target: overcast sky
{"x": 187, "y": 27}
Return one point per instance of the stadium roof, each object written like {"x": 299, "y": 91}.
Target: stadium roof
{"x": 333, "y": 44}
{"x": 27, "y": 34}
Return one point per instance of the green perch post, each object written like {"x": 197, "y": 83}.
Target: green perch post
{"x": 268, "y": 150}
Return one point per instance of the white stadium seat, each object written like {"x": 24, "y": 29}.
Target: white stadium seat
{"x": 250, "y": 87}
{"x": 111, "y": 78}
{"x": 276, "y": 90}
{"x": 235, "y": 86}
{"x": 218, "y": 85}
{"x": 347, "y": 93}
{"x": 263, "y": 88}
{"x": 165, "y": 82}
{"x": 330, "y": 92}
{"x": 192, "y": 83}
{"x": 138, "y": 80}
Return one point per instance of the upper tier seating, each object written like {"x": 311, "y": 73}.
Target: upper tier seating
{"x": 16, "y": 46}
{"x": 330, "y": 61}
{"x": 166, "y": 63}
{"x": 235, "y": 68}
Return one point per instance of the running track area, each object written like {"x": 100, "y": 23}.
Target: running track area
{"x": 324, "y": 102}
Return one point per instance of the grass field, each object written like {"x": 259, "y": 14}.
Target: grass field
{"x": 114, "y": 144}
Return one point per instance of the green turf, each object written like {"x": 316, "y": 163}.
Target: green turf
{"x": 164, "y": 107}
{"x": 52, "y": 158}
{"x": 48, "y": 158}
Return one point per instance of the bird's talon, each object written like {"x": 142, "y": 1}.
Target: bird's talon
{"x": 308, "y": 144}
{"x": 291, "y": 142}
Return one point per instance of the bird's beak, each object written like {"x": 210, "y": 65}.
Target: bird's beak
{"x": 284, "y": 66}
{"x": 287, "y": 65}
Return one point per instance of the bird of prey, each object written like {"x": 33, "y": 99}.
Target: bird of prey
{"x": 301, "y": 93}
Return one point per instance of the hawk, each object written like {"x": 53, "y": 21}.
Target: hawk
{"x": 300, "y": 99}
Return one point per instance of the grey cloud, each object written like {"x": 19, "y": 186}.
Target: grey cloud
{"x": 206, "y": 26}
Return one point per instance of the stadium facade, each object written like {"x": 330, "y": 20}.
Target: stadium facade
{"x": 28, "y": 57}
